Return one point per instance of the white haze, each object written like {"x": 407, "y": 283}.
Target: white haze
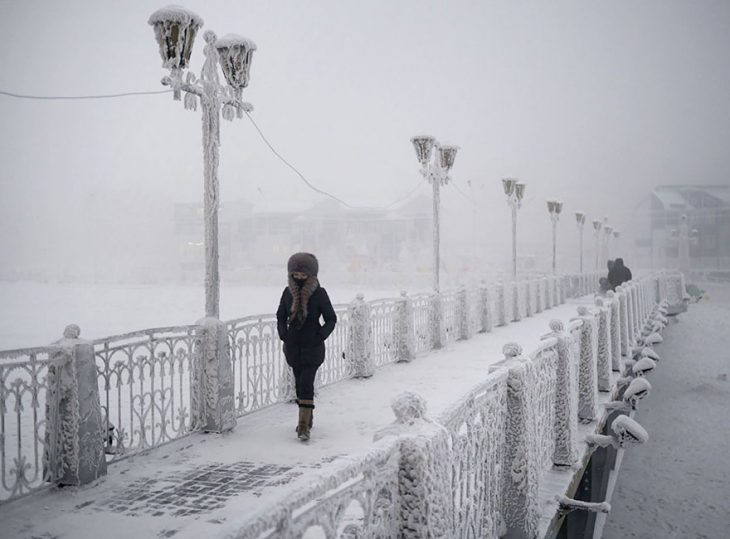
{"x": 589, "y": 102}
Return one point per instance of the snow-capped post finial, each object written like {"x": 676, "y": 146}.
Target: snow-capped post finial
{"x": 511, "y": 350}
{"x": 175, "y": 30}
{"x": 408, "y": 408}
{"x": 556, "y": 325}
{"x": 72, "y": 331}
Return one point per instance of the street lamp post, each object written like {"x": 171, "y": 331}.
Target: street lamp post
{"x": 555, "y": 207}
{"x": 175, "y": 30}
{"x": 435, "y": 167}
{"x": 608, "y": 232}
{"x": 515, "y": 192}
{"x": 580, "y": 220}
{"x": 597, "y": 225}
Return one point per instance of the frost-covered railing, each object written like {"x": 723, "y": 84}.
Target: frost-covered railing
{"x": 260, "y": 374}
{"x": 383, "y": 323}
{"x": 477, "y": 469}
{"x": 23, "y": 385}
{"x": 356, "y": 497}
{"x": 145, "y": 380}
{"x": 147, "y": 383}
{"x": 476, "y": 429}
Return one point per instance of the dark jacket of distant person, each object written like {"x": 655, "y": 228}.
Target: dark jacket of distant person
{"x": 304, "y": 339}
{"x": 619, "y": 273}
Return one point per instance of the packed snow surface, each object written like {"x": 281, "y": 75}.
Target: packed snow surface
{"x": 677, "y": 484}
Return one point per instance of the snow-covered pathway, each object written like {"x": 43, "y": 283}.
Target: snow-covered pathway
{"x": 678, "y": 484}
{"x": 192, "y": 487}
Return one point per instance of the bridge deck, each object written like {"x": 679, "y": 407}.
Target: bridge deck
{"x": 205, "y": 484}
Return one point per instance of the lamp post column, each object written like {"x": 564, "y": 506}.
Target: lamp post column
{"x": 210, "y": 105}
{"x": 515, "y": 192}
{"x": 554, "y": 208}
{"x": 607, "y": 242}
{"x": 514, "y": 242}
{"x": 580, "y": 219}
{"x": 597, "y": 233}
{"x": 436, "y": 234}
{"x": 435, "y": 167}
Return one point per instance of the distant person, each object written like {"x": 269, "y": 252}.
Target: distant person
{"x": 603, "y": 284}
{"x": 618, "y": 274}
{"x": 302, "y": 304}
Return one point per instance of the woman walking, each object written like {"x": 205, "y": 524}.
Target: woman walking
{"x": 302, "y": 304}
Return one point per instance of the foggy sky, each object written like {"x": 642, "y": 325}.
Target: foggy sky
{"x": 588, "y": 102}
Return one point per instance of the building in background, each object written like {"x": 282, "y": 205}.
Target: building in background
{"x": 351, "y": 242}
{"x": 657, "y": 218}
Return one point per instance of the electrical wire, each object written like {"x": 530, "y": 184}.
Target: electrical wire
{"x": 253, "y": 122}
{"x": 318, "y": 190}
{"x": 100, "y": 96}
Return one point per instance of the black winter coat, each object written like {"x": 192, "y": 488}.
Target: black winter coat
{"x": 305, "y": 346}
{"x": 619, "y": 274}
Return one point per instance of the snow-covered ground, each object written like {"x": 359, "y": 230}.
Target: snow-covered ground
{"x": 678, "y": 484}
{"x": 34, "y": 314}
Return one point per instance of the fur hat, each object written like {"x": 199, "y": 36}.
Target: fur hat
{"x": 303, "y": 262}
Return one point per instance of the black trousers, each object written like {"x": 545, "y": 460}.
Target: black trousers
{"x": 304, "y": 380}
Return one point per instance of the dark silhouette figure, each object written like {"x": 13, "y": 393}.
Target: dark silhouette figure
{"x": 618, "y": 274}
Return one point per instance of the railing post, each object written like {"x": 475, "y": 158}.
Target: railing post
{"x": 75, "y": 428}
{"x": 587, "y": 369}
{"x": 516, "y": 316}
{"x": 626, "y": 288}
{"x": 404, "y": 329}
{"x": 360, "y": 339}
{"x": 615, "y": 329}
{"x": 520, "y": 475}
{"x": 423, "y": 477}
{"x": 549, "y": 303}
{"x": 529, "y": 309}
{"x": 485, "y": 313}
{"x": 501, "y": 310}
{"x": 624, "y": 321}
{"x": 539, "y": 296}
{"x": 566, "y": 415}
{"x": 561, "y": 284}
{"x": 212, "y": 399}
{"x": 462, "y": 312}
{"x": 603, "y": 360}
{"x": 436, "y": 317}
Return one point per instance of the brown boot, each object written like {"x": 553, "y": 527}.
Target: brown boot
{"x": 305, "y": 419}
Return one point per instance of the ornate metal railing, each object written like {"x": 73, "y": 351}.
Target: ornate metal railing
{"x": 422, "y": 322}
{"x": 260, "y": 374}
{"x": 144, "y": 387}
{"x": 382, "y": 327}
{"x": 145, "y": 377}
{"x": 449, "y": 310}
{"x": 476, "y": 427}
{"x": 336, "y": 367}
{"x": 23, "y": 385}
{"x": 358, "y": 497}
{"x": 543, "y": 387}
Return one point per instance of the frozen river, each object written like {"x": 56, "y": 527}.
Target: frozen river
{"x": 34, "y": 314}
